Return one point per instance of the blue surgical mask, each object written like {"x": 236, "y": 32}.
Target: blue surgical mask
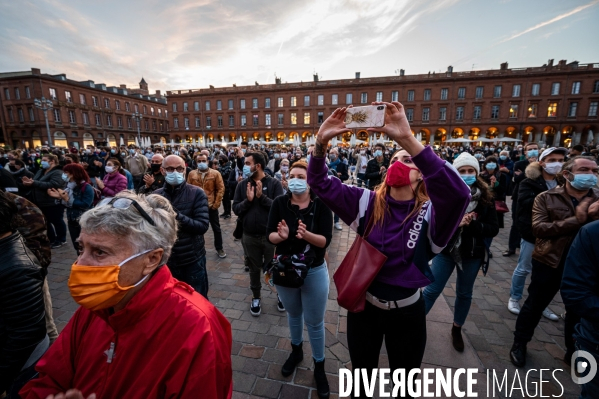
{"x": 491, "y": 166}
{"x": 202, "y": 166}
{"x": 503, "y": 157}
{"x": 247, "y": 171}
{"x": 532, "y": 153}
{"x": 45, "y": 164}
{"x": 583, "y": 181}
{"x": 378, "y": 153}
{"x": 277, "y": 156}
{"x": 65, "y": 177}
{"x": 468, "y": 179}
{"x": 297, "y": 186}
{"x": 113, "y": 151}
{"x": 174, "y": 178}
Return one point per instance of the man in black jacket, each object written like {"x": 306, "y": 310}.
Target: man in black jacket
{"x": 532, "y": 154}
{"x": 23, "y": 338}
{"x": 188, "y": 259}
{"x": 153, "y": 178}
{"x": 252, "y": 202}
{"x": 540, "y": 177}
{"x": 376, "y": 168}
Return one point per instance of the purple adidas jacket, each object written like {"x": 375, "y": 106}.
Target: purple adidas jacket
{"x": 408, "y": 246}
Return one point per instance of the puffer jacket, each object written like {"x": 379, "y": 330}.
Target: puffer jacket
{"x": 191, "y": 204}
{"x": 554, "y": 224}
{"x": 528, "y": 189}
{"x": 114, "y": 183}
{"x": 212, "y": 184}
{"x": 42, "y": 182}
{"x": 22, "y": 315}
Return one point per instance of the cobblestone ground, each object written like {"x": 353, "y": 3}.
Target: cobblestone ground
{"x": 261, "y": 344}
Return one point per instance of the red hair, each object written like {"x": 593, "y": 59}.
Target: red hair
{"x": 79, "y": 174}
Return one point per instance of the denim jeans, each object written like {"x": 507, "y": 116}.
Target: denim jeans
{"x": 335, "y": 218}
{"x": 522, "y": 269}
{"x": 194, "y": 275}
{"x": 309, "y": 303}
{"x": 442, "y": 268}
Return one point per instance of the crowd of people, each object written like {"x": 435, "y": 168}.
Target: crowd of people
{"x": 137, "y": 219}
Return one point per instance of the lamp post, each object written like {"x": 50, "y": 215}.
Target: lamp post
{"x": 45, "y": 105}
{"x": 138, "y": 117}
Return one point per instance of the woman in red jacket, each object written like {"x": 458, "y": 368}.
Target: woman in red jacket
{"x": 114, "y": 181}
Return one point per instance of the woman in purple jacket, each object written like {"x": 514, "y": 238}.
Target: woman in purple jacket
{"x": 114, "y": 181}
{"x": 411, "y": 216}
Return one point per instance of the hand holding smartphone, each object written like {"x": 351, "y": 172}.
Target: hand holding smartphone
{"x": 366, "y": 116}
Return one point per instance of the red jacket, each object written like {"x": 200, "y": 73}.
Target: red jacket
{"x": 168, "y": 342}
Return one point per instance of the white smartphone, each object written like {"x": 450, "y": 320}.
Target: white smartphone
{"x": 366, "y": 116}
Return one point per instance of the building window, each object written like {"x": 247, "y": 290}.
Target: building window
{"x": 477, "y": 112}
{"x": 497, "y": 92}
{"x": 219, "y": 105}
{"x": 536, "y": 89}
{"x": 379, "y": 96}
{"x": 254, "y": 103}
{"x": 267, "y": 102}
{"x": 21, "y": 116}
{"x": 176, "y": 122}
{"x": 255, "y": 120}
{"x": 293, "y": 101}
{"x": 495, "y": 112}
{"x": 72, "y": 118}
{"x": 334, "y": 99}
{"x": 427, "y": 94}
{"x": 306, "y": 118}
{"x": 532, "y": 110}
{"x": 461, "y": 92}
{"x": 516, "y": 90}
{"x": 208, "y": 122}
{"x": 425, "y": 114}
{"x": 513, "y": 110}
{"x": 85, "y": 118}
{"x": 32, "y": 116}
{"x": 592, "y": 109}
{"x": 572, "y": 109}
{"x": 410, "y": 95}
{"x": 196, "y": 106}
{"x": 230, "y": 104}
{"x": 207, "y": 105}
{"x": 129, "y": 123}
{"x": 267, "y": 119}
{"x": 67, "y": 95}
{"x": 231, "y": 120}
{"x": 395, "y": 95}
{"x": 154, "y": 125}
{"x": 320, "y": 117}
{"x": 197, "y": 120}
{"x": 95, "y": 101}
{"x": 119, "y": 121}
{"x": 17, "y": 94}
{"x": 6, "y": 94}
{"x": 151, "y": 111}
{"x": 109, "y": 120}
{"x": 596, "y": 87}
{"x": 11, "y": 116}
{"x": 575, "y": 87}
{"x": 280, "y": 102}
{"x": 185, "y": 106}
{"x": 444, "y": 94}
{"x": 219, "y": 120}
{"x": 146, "y": 126}
{"x": 57, "y": 115}
{"x": 145, "y": 110}
{"x": 348, "y": 98}
{"x": 27, "y": 92}
{"x": 410, "y": 114}
{"x": 281, "y": 119}
{"x": 320, "y": 99}
{"x": 53, "y": 94}
{"x": 294, "y": 118}
{"x": 117, "y": 105}
{"x": 442, "y": 113}
{"x": 128, "y": 107}
{"x": 555, "y": 89}
{"x": 552, "y": 110}
{"x": 459, "y": 113}
{"x": 363, "y": 98}
{"x": 244, "y": 120}
{"x": 306, "y": 101}
{"x": 98, "y": 120}
{"x": 106, "y": 103}
{"x": 174, "y": 107}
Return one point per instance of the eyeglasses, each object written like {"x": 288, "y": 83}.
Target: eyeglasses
{"x": 179, "y": 169}
{"x": 125, "y": 203}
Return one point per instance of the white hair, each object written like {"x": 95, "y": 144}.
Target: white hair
{"x": 131, "y": 226}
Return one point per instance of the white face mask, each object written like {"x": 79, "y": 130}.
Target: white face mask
{"x": 553, "y": 168}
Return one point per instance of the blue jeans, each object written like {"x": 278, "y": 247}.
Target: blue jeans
{"x": 522, "y": 269}
{"x": 308, "y": 302}
{"x": 194, "y": 275}
{"x": 335, "y": 218}
{"x": 442, "y": 268}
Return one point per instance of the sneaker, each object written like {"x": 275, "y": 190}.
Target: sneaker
{"x": 280, "y": 306}
{"x": 518, "y": 354}
{"x": 247, "y": 269}
{"x": 227, "y": 217}
{"x": 513, "y": 306}
{"x": 338, "y": 226}
{"x": 221, "y": 253}
{"x": 550, "y": 315}
{"x": 58, "y": 244}
{"x": 255, "y": 308}
{"x": 222, "y": 215}
{"x": 235, "y": 239}
{"x": 509, "y": 252}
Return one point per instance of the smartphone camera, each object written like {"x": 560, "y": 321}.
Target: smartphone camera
{"x": 380, "y": 107}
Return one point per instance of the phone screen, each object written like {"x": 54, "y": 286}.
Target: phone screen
{"x": 366, "y": 116}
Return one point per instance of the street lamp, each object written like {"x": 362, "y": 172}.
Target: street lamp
{"x": 45, "y": 105}
{"x": 138, "y": 117}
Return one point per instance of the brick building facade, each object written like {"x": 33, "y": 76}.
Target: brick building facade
{"x": 552, "y": 103}
{"x": 84, "y": 113}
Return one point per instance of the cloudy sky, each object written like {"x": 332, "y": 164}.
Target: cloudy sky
{"x": 180, "y": 44}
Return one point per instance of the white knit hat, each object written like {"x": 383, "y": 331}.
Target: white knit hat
{"x": 465, "y": 159}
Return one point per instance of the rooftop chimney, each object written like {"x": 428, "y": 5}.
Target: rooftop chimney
{"x": 503, "y": 66}
{"x": 402, "y": 72}
{"x": 562, "y": 63}
{"x": 315, "y": 77}
{"x": 357, "y": 75}
{"x": 123, "y": 86}
{"x": 278, "y": 80}
{"x": 36, "y": 71}
{"x": 550, "y": 63}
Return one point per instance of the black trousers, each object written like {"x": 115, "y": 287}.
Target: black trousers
{"x": 545, "y": 282}
{"x": 403, "y": 329}
{"x": 74, "y": 231}
{"x": 215, "y": 224}
{"x": 514, "y": 239}
{"x": 55, "y": 225}
{"x": 227, "y": 202}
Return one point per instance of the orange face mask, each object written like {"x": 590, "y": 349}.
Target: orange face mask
{"x": 97, "y": 287}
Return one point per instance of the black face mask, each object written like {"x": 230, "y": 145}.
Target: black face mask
{"x": 155, "y": 167}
